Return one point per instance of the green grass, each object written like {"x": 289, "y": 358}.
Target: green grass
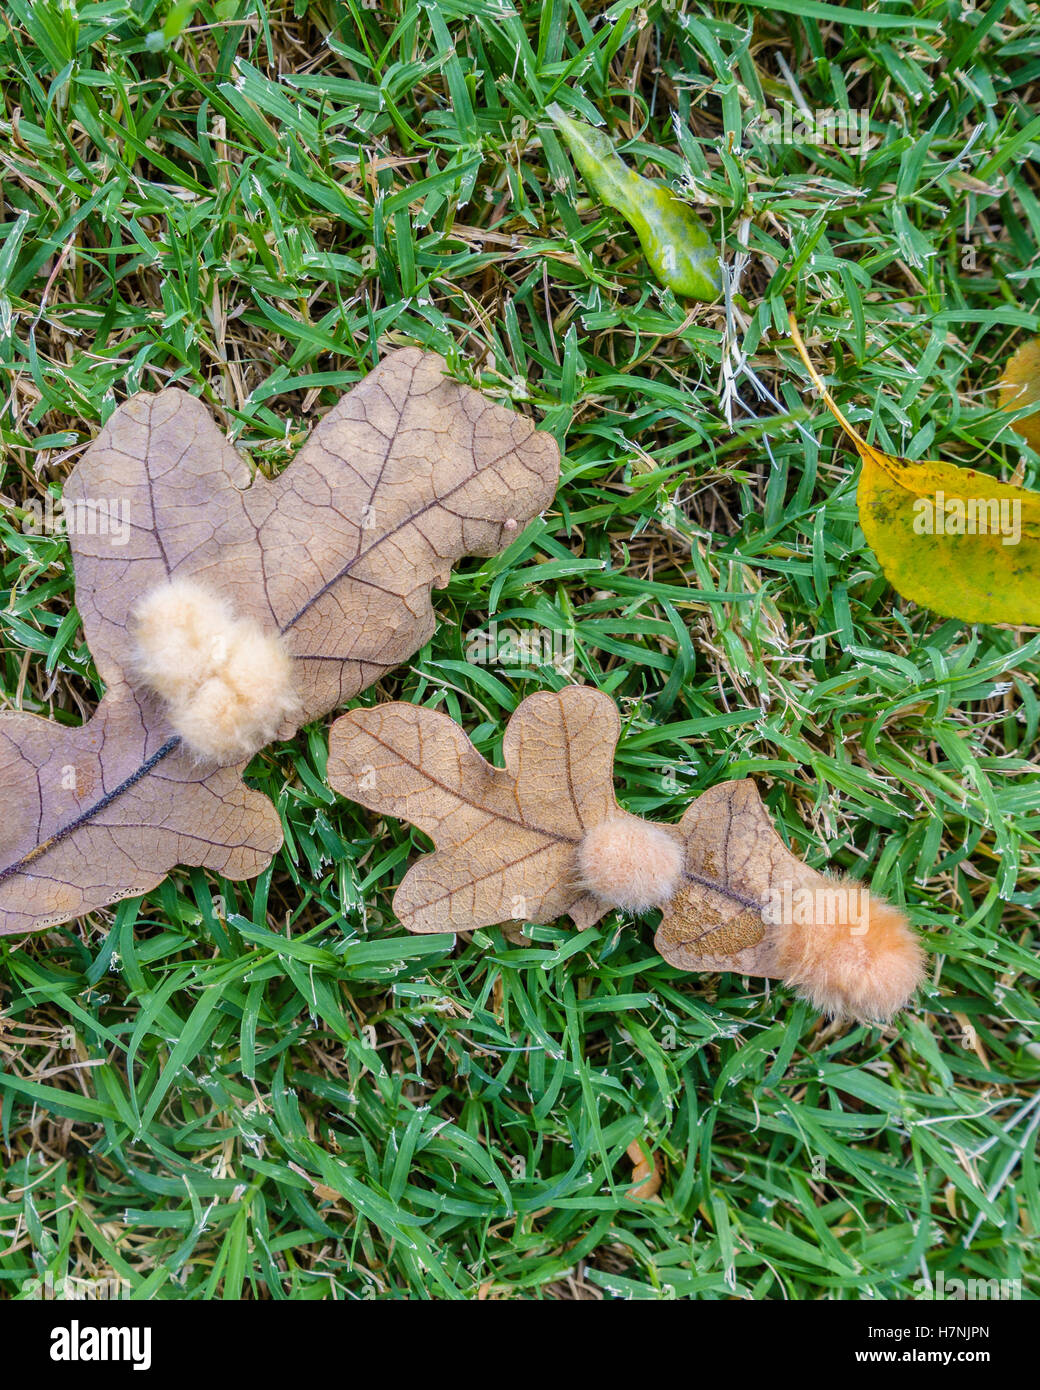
{"x": 269, "y": 1090}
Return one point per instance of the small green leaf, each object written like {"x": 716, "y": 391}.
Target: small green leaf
{"x": 680, "y": 252}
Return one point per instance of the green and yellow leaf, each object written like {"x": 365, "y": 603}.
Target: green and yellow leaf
{"x": 949, "y": 538}
{"x": 678, "y": 248}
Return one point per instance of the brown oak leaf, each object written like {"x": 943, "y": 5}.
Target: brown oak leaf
{"x": 748, "y": 905}
{"x": 507, "y": 838}
{"x": 544, "y": 835}
{"x": 734, "y": 861}
{"x": 337, "y": 556}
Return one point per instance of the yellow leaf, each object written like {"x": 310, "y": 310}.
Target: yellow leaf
{"x": 949, "y": 538}
{"x": 1020, "y": 386}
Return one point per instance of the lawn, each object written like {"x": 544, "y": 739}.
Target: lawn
{"x": 268, "y": 1089}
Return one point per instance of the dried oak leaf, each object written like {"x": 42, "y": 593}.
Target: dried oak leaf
{"x": 747, "y": 904}
{"x": 506, "y": 837}
{"x": 544, "y": 836}
{"x": 735, "y": 860}
{"x": 336, "y": 556}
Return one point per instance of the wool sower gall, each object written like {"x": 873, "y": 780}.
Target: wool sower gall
{"x": 227, "y": 683}
{"x": 630, "y": 864}
{"x": 865, "y": 966}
